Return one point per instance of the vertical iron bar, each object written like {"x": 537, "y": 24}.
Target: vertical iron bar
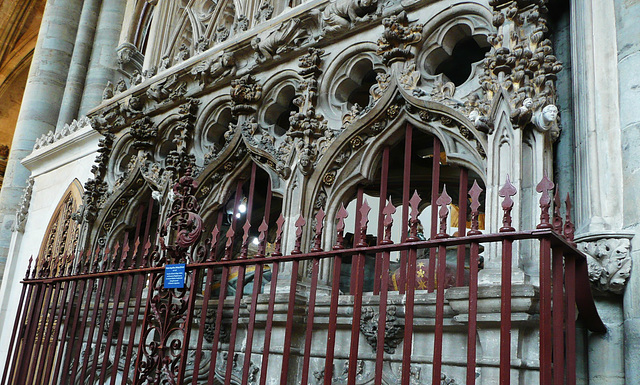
{"x": 85, "y": 317}
{"x": 384, "y": 179}
{"x": 59, "y": 341}
{"x": 289, "y": 325}
{"x": 382, "y": 317}
{"x": 558, "y": 316}
{"x": 44, "y": 356}
{"x": 408, "y": 311}
{"x": 187, "y": 326}
{"x": 141, "y": 279}
{"x": 439, "y": 329}
{"x": 310, "y": 317}
{"x": 30, "y": 338}
{"x": 123, "y": 322}
{"x": 435, "y": 189}
{"x": 570, "y": 314}
{"x": 17, "y": 328}
{"x": 269, "y": 324}
{"x": 361, "y": 225}
{"x": 240, "y": 280}
{"x": 94, "y": 319}
{"x": 218, "y": 325}
{"x": 406, "y": 187}
{"x": 505, "y": 314}
{"x": 356, "y": 239}
{"x": 63, "y": 340}
{"x": 462, "y": 224}
{"x": 114, "y": 315}
{"x": 473, "y": 312}
{"x": 545, "y": 311}
{"x": 257, "y": 286}
{"x": 141, "y": 343}
{"x": 84, "y": 282}
{"x": 333, "y": 318}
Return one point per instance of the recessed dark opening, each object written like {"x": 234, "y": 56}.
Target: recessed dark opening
{"x": 457, "y": 67}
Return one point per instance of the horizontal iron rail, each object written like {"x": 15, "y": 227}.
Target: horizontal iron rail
{"x": 586, "y": 307}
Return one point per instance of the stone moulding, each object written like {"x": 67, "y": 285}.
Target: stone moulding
{"x": 609, "y": 260}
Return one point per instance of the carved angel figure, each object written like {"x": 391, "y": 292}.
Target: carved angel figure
{"x": 547, "y": 120}
{"x": 279, "y": 40}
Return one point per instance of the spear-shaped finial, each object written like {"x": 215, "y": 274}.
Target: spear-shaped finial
{"x": 228, "y": 249}
{"x": 245, "y": 239}
{"x": 214, "y": 243}
{"x": 278, "y": 246}
{"x": 474, "y": 194}
{"x": 299, "y": 226}
{"x": 544, "y": 187}
{"x": 569, "y": 228}
{"x": 29, "y": 268}
{"x": 318, "y": 234}
{"x": 388, "y": 212}
{"x": 341, "y": 215}
{"x": 364, "y": 221}
{"x": 507, "y": 191}
{"x": 557, "y": 216}
{"x": 262, "y": 230}
{"x": 443, "y": 201}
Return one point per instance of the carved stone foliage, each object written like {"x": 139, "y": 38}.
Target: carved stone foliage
{"x": 340, "y": 15}
{"x": 245, "y": 92}
{"x": 308, "y": 131}
{"x": 96, "y": 187}
{"x": 144, "y": 133}
{"x": 398, "y": 37}
{"x": 522, "y": 62}
{"x": 393, "y": 333}
{"x": 609, "y": 262}
{"x": 236, "y": 369}
{"x": 23, "y": 207}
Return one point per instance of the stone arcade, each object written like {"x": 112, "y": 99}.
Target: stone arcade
{"x": 219, "y": 133}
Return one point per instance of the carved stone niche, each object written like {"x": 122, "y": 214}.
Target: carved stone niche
{"x": 129, "y": 59}
{"x": 609, "y": 261}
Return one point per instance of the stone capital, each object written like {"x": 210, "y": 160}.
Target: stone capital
{"x": 609, "y": 260}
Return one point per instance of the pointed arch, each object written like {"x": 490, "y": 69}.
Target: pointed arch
{"x": 61, "y": 237}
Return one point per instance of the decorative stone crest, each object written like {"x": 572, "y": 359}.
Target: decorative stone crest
{"x": 397, "y": 38}
{"x": 144, "y": 133}
{"x": 393, "y": 332}
{"x": 167, "y": 90}
{"x": 245, "y": 92}
{"x": 609, "y": 263}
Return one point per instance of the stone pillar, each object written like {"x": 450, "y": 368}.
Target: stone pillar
{"x": 597, "y": 121}
{"x": 40, "y": 103}
{"x": 606, "y": 356}
{"x": 104, "y": 59}
{"x": 628, "y": 60}
{"x": 79, "y": 63}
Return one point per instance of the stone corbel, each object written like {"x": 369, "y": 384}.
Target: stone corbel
{"x": 609, "y": 260}
{"x": 129, "y": 59}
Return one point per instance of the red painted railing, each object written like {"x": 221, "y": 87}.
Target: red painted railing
{"x": 107, "y": 317}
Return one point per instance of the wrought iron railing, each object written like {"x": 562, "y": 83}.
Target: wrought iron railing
{"x": 108, "y": 319}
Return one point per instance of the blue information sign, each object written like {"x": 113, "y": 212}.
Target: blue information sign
{"x": 174, "y": 276}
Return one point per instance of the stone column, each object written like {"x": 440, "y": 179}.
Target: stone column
{"x": 79, "y": 63}
{"x": 104, "y": 59}
{"x": 40, "y": 103}
{"x": 628, "y": 60}
{"x": 597, "y": 121}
